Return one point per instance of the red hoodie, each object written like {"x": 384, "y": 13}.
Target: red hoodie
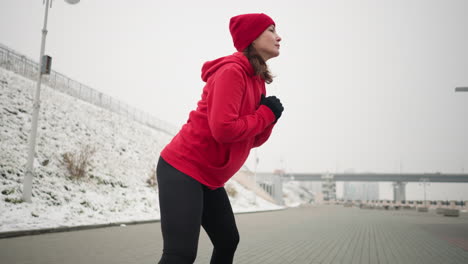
{"x": 229, "y": 121}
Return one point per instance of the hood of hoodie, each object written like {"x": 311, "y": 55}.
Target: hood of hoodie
{"x": 210, "y": 67}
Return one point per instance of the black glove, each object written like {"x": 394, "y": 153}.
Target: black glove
{"x": 274, "y": 104}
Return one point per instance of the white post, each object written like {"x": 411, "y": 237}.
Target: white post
{"x": 255, "y": 176}
{"x": 27, "y": 184}
{"x": 425, "y": 203}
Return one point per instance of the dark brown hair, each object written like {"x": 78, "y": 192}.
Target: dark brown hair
{"x": 258, "y": 63}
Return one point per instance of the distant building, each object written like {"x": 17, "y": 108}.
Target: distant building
{"x": 328, "y": 188}
{"x": 361, "y": 191}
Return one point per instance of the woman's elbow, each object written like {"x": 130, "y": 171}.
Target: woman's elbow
{"x": 223, "y": 133}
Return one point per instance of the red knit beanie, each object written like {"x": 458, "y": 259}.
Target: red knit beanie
{"x": 246, "y": 28}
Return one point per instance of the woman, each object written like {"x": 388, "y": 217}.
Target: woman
{"x": 232, "y": 117}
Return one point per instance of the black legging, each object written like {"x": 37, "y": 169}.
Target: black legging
{"x": 185, "y": 205}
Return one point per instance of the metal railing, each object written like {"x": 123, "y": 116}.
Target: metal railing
{"x": 22, "y": 65}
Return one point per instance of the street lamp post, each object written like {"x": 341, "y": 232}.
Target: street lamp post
{"x": 27, "y": 184}
{"x": 424, "y": 182}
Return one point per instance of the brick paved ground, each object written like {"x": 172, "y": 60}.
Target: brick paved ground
{"x": 315, "y": 234}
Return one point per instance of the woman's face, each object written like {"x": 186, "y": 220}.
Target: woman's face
{"x": 267, "y": 44}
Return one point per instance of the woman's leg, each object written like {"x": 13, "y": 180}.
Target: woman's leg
{"x": 181, "y": 207}
{"x": 220, "y": 225}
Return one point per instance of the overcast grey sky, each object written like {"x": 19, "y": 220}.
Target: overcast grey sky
{"x": 367, "y": 85}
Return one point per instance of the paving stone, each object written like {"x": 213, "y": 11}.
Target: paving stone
{"x": 325, "y": 234}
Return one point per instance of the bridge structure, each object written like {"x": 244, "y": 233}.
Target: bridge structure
{"x": 399, "y": 179}
{"x": 376, "y": 177}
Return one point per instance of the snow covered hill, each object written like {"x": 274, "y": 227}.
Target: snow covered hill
{"x": 116, "y": 188}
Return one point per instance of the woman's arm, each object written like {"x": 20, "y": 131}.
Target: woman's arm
{"x": 263, "y": 137}
{"x": 224, "y": 102}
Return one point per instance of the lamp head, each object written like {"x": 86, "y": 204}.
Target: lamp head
{"x": 72, "y": 2}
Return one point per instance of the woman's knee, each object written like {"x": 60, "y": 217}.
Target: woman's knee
{"x": 229, "y": 242}
{"x": 236, "y": 239}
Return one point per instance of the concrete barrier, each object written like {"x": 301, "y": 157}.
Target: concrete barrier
{"x": 452, "y": 212}
{"x": 423, "y": 209}
{"x": 440, "y": 210}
